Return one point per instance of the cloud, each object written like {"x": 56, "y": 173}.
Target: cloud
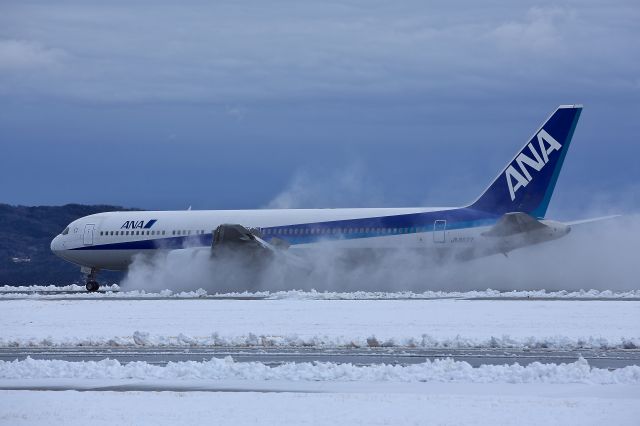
{"x": 234, "y": 53}
{"x": 20, "y": 55}
{"x": 236, "y": 112}
{"x": 539, "y": 31}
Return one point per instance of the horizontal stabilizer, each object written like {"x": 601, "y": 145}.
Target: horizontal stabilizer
{"x": 594, "y": 219}
{"x": 514, "y": 223}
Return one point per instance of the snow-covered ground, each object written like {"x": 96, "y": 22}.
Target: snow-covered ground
{"x": 224, "y": 391}
{"x": 437, "y": 392}
{"x": 362, "y": 404}
{"x": 455, "y": 323}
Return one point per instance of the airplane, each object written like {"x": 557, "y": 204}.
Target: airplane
{"x": 508, "y": 215}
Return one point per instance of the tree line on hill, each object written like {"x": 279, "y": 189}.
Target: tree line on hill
{"x": 25, "y": 238}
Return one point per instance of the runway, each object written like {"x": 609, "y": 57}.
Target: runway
{"x": 609, "y": 359}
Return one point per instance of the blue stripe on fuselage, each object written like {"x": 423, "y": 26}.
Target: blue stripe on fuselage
{"x": 460, "y": 218}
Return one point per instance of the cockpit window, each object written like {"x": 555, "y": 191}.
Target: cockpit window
{"x": 66, "y": 231}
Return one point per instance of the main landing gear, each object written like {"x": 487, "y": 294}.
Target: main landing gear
{"x": 92, "y": 285}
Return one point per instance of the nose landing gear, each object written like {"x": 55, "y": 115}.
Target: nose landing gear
{"x": 92, "y": 285}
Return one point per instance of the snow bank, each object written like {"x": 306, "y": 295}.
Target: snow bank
{"x": 426, "y": 341}
{"x": 488, "y": 293}
{"x": 444, "y": 370}
{"x": 53, "y": 288}
{"x": 114, "y": 291}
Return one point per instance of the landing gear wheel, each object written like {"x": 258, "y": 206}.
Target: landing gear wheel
{"x": 92, "y": 286}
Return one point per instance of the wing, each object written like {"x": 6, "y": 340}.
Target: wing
{"x": 241, "y": 241}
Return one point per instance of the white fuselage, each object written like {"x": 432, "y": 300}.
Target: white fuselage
{"x": 111, "y": 240}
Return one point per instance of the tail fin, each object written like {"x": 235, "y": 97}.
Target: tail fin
{"x": 527, "y": 182}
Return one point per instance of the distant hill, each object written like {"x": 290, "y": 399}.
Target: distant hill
{"x": 25, "y": 236}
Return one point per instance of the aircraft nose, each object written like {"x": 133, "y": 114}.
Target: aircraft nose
{"x": 56, "y": 245}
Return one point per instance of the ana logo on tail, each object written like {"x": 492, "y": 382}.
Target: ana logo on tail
{"x": 518, "y": 175}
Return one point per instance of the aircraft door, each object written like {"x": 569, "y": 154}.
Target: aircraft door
{"x": 88, "y": 235}
{"x": 439, "y": 230}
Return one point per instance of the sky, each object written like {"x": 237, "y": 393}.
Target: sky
{"x": 219, "y": 105}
